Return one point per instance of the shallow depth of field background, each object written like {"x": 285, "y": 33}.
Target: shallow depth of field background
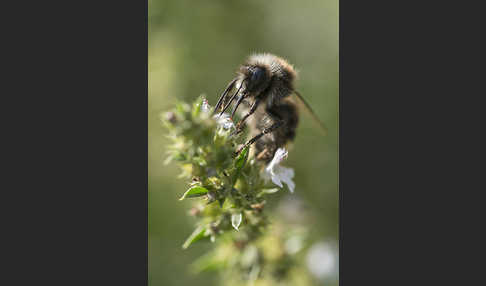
{"x": 195, "y": 48}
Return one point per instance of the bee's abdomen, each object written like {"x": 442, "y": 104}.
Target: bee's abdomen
{"x": 268, "y": 144}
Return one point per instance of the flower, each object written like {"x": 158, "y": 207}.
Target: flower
{"x": 224, "y": 121}
{"x": 278, "y": 173}
{"x": 205, "y": 107}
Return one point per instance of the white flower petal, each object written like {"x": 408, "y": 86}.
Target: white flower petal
{"x": 224, "y": 121}
{"x": 205, "y": 105}
{"x": 276, "y": 180}
{"x": 279, "y": 174}
{"x": 236, "y": 220}
{"x": 279, "y": 156}
{"x": 286, "y": 175}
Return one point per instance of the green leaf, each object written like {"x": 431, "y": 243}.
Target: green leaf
{"x": 221, "y": 202}
{"x": 268, "y": 191}
{"x": 200, "y": 161}
{"x": 240, "y": 163}
{"x": 227, "y": 205}
{"x": 193, "y": 192}
{"x": 182, "y": 108}
{"x": 196, "y": 107}
{"x": 241, "y": 159}
{"x": 212, "y": 197}
{"x": 207, "y": 262}
{"x": 168, "y": 160}
{"x": 236, "y": 220}
{"x": 196, "y": 235}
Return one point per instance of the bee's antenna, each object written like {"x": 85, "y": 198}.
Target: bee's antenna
{"x": 231, "y": 100}
{"x": 321, "y": 125}
{"x": 228, "y": 88}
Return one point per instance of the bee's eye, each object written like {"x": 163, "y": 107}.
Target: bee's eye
{"x": 257, "y": 75}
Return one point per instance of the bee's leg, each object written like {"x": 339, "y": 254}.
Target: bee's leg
{"x": 262, "y": 154}
{"x": 253, "y": 107}
{"x": 222, "y": 98}
{"x": 272, "y": 128}
{"x": 237, "y": 130}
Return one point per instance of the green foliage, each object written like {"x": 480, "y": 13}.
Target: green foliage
{"x": 194, "y": 192}
{"x": 204, "y": 150}
{"x": 205, "y": 153}
{"x": 195, "y": 236}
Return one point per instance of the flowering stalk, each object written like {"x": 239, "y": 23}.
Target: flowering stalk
{"x": 230, "y": 195}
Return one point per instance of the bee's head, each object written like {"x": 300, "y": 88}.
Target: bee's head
{"x": 256, "y": 77}
{"x": 252, "y": 80}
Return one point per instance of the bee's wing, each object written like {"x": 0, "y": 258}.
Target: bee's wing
{"x": 322, "y": 126}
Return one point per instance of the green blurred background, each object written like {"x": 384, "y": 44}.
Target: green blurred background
{"x": 195, "y": 48}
